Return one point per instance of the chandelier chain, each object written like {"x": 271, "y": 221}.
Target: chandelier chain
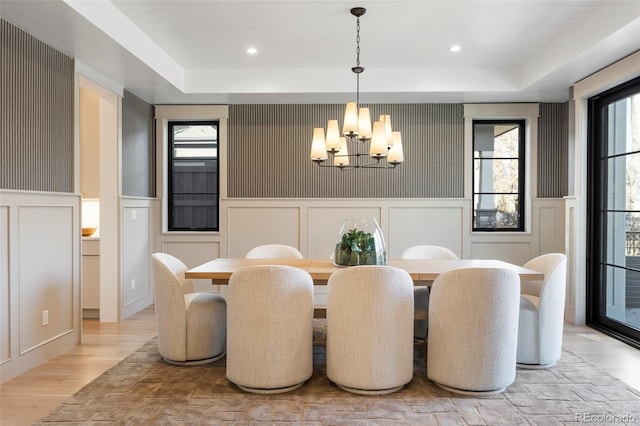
{"x": 358, "y": 61}
{"x": 358, "y": 42}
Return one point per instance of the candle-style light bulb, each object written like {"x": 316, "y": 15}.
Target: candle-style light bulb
{"x": 318, "y": 149}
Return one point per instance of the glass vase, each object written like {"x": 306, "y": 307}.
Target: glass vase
{"x": 360, "y": 242}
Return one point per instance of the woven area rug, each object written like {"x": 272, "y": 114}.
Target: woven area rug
{"x": 142, "y": 389}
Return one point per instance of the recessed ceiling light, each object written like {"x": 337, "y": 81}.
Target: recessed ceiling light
{"x": 252, "y": 51}
{"x": 455, "y": 48}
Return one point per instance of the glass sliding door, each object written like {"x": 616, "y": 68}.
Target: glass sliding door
{"x": 614, "y": 212}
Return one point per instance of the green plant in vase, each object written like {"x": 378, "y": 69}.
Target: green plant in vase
{"x": 357, "y": 248}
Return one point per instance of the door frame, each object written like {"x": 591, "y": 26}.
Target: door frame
{"x": 596, "y": 280}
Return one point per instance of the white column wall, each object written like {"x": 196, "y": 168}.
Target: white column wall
{"x": 611, "y": 76}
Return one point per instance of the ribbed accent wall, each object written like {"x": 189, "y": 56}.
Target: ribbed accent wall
{"x": 36, "y": 114}
{"x": 138, "y": 161}
{"x": 269, "y": 147}
{"x": 553, "y": 150}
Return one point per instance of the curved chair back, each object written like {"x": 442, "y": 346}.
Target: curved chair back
{"x": 270, "y": 328}
{"x": 274, "y": 251}
{"x": 428, "y": 252}
{"x": 552, "y": 292}
{"x": 192, "y": 326}
{"x": 473, "y": 330}
{"x": 168, "y": 295}
{"x": 421, "y": 294}
{"x": 370, "y": 329}
{"x": 550, "y": 306}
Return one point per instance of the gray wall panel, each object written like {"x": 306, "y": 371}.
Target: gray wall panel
{"x": 137, "y": 147}
{"x": 36, "y": 114}
{"x": 269, "y": 153}
{"x": 553, "y": 150}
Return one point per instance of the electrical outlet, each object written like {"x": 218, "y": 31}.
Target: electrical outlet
{"x": 133, "y": 284}
{"x": 45, "y": 317}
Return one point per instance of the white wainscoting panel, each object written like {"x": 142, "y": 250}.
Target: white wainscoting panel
{"x": 5, "y": 308}
{"x": 548, "y": 227}
{"x": 410, "y": 226}
{"x": 324, "y": 224}
{"x": 46, "y": 270}
{"x": 575, "y": 290}
{"x": 39, "y": 271}
{"x": 509, "y": 251}
{"x": 194, "y": 253}
{"x": 549, "y": 224}
{"x": 312, "y": 225}
{"x": 136, "y": 257}
{"x": 136, "y": 242}
{"x": 250, "y": 227}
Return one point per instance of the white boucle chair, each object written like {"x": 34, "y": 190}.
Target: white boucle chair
{"x": 421, "y": 294}
{"x": 473, "y": 330}
{"x": 192, "y": 326}
{"x": 274, "y": 251}
{"x": 369, "y": 347}
{"x": 270, "y": 328}
{"x": 542, "y": 313}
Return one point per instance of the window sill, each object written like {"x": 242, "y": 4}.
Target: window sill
{"x": 191, "y": 233}
{"x": 502, "y": 233}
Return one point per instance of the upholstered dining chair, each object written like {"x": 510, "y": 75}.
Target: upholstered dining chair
{"x": 473, "y": 330}
{"x": 192, "y": 326}
{"x": 270, "y": 328}
{"x": 274, "y": 251}
{"x": 369, "y": 346}
{"x": 421, "y": 294}
{"x": 542, "y": 313}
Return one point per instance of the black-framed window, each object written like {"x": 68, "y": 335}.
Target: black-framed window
{"x": 613, "y": 212}
{"x": 498, "y": 175}
{"x": 193, "y": 197}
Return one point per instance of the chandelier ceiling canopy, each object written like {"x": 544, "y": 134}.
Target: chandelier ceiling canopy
{"x": 385, "y": 145}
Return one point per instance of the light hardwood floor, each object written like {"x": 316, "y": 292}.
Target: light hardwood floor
{"x": 33, "y": 394}
{"x": 30, "y": 396}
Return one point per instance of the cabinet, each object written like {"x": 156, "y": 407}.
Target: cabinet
{"x": 90, "y": 278}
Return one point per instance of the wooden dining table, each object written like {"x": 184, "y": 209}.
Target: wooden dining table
{"x": 423, "y": 272}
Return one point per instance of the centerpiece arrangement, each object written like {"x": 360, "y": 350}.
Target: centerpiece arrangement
{"x": 360, "y": 242}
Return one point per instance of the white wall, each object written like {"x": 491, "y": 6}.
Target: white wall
{"x": 39, "y": 271}
{"x": 136, "y": 242}
{"x": 89, "y": 143}
{"x": 98, "y": 119}
{"x": 615, "y": 74}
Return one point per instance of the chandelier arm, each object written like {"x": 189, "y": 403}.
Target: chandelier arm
{"x": 360, "y": 166}
{"x": 338, "y": 167}
{"x": 377, "y": 162}
{"x": 378, "y": 166}
{"x": 350, "y": 155}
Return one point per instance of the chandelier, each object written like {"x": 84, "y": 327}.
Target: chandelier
{"x": 385, "y": 145}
